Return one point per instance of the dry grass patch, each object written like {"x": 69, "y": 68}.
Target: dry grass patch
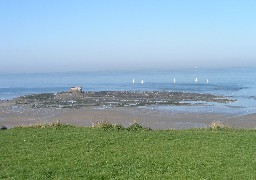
{"x": 219, "y": 125}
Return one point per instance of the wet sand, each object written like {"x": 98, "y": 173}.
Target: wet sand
{"x": 13, "y": 115}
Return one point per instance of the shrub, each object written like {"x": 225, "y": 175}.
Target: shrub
{"x": 56, "y": 125}
{"x": 107, "y": 126}
{"x": 118, "y": 126}
{"x": 136, "y": 127}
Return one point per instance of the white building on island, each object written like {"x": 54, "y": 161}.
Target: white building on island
{"x": 75, "y": 89}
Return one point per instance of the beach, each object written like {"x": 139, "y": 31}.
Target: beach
{"x": 14, "y": 115}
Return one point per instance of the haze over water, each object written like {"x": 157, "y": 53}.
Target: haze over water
{"x": 71, "y": 36}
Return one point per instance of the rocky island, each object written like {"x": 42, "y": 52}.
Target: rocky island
{"x": 78, "y": 99}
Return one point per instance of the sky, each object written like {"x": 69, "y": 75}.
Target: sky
{"x": 86, "y": 35}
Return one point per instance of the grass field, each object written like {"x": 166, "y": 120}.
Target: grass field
{"x": 66, "y": 152}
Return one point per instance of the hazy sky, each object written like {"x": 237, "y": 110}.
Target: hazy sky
{"x": 82, "y": 35}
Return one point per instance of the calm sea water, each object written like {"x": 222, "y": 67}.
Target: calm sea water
{"x": 237, "y": 83}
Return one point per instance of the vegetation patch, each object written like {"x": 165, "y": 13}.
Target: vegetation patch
{"x": 137, "y": 127}
{"x": 107, "y": 126}
{"x": 56, "y": 125}
{"x": 59, "y": 151}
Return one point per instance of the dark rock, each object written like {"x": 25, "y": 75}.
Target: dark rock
{"x": 3, "y": 128}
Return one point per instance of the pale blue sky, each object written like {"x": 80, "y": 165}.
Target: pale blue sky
{"x": 82, "y": 35}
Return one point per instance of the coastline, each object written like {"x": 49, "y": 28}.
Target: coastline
{"x": 22, "y": 114}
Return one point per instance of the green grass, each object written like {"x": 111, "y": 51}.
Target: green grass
{"x": 67, "y": 152}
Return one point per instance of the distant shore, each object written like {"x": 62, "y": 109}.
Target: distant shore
{"x": 87, "y": 108}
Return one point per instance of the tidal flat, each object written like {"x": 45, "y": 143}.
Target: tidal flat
{"x": 124, "y": 107}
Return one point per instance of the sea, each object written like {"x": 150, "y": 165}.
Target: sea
{"x": 234, "y": 83}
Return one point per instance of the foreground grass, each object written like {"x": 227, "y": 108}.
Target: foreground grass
{"x": 66, "y": 152}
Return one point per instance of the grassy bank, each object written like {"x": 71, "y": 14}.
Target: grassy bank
{"x": 67, "y": 152}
